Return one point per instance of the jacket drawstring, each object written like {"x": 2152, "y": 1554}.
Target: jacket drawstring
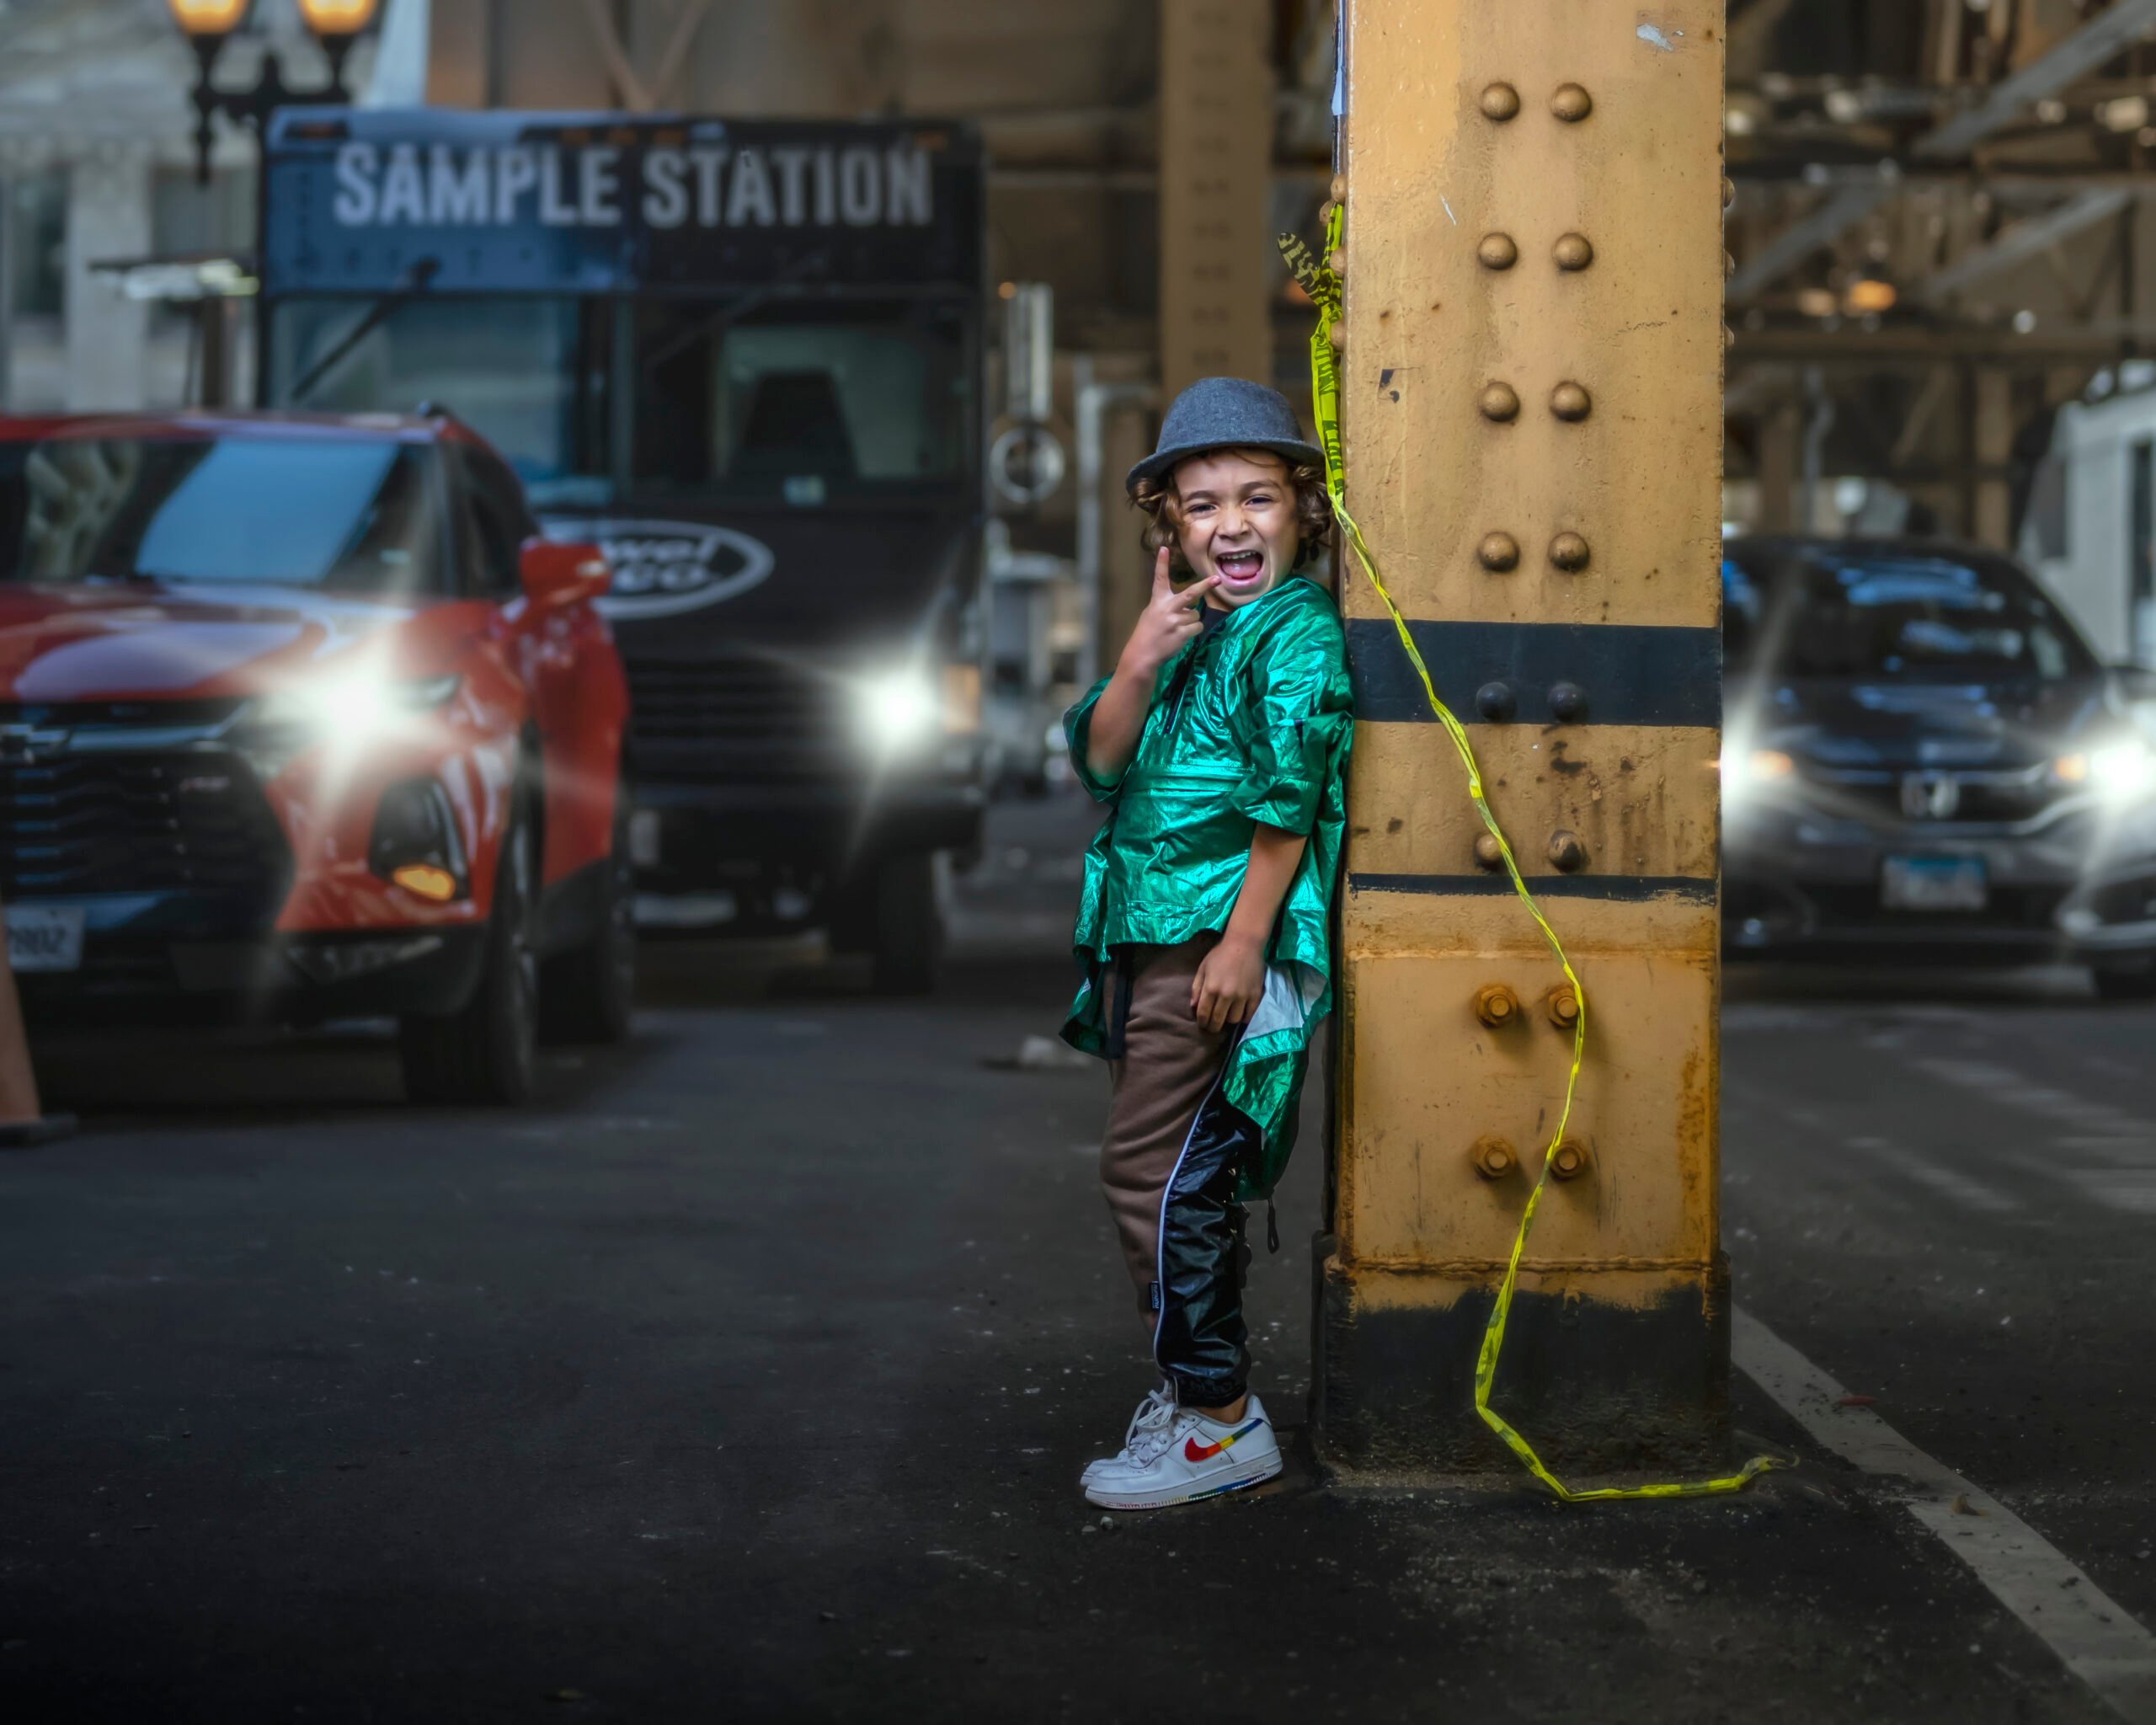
{"x": 1122, "y": 978}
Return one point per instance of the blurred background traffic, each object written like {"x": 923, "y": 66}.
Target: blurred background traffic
{"x": 844, "y": 403}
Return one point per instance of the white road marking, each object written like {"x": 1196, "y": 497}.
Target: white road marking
{"x": 2120, "y": 1152}
{"x": 2098, "y": 1642}
{"x": 2133, "y": 1190}
{"x": 1763, "y": 1017}
{"x": 1949, "y": 1183}
{"x": 2108, "y": 1135}
{"x": 2053, "y": 1104}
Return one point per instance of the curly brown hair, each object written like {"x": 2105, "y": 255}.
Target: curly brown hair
{"x": 1157, "y": 500}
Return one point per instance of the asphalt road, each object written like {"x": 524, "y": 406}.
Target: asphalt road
{"x": 748, "y": 1375}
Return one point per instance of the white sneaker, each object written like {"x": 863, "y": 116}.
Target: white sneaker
{"x": 1186, "y": 1457}
{"x": 1157, "y": 1408}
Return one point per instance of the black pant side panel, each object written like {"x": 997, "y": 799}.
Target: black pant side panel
{"x": 1200, "y": 1342}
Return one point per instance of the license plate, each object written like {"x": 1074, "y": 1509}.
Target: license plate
{"x": 1934, "y": 883}
{"x": 44, "y": 936}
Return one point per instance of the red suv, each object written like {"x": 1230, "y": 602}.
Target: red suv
{"x": 300, "y": 718}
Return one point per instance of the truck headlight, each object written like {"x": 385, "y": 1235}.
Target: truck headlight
{"x": 902, "y": 710}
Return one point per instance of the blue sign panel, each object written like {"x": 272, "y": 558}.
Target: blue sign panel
{"x": 367, "y": 200}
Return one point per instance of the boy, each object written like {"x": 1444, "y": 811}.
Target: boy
{"x": 1217, "y": 745}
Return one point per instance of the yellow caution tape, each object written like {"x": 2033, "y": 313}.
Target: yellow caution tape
{"x": 1322, "y": 285}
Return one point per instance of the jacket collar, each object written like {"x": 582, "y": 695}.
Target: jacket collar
{"x": 1258, "y": 604}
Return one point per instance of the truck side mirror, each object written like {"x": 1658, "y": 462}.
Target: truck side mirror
{"x": 555, "y": 573}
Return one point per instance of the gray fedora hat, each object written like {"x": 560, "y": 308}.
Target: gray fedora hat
{"x": 1225, "y": 412}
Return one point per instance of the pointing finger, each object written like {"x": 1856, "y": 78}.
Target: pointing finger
{"x": 1161, "y": 582}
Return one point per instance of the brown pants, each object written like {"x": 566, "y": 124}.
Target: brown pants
{"x": 1170, "y": 1062}
{"x": 1169, "y": 1166}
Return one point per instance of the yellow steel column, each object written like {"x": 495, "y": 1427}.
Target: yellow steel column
{"x": 1531, "y": 408}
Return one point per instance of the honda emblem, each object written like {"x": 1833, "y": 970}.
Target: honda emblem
{"x": 1930, "y": 796}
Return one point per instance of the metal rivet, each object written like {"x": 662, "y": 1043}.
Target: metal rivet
{"x": 1487, "y": 854}
{"x": 1572, "y": 252}
{"x": 1728, "y": 191}
{"x": 1499, "y": 552}
{"x": 1571, "y": 103}
{"x": 1493, "y": 1158}
{"x": 1567, "y": 702}
{"x": 1728, "y": 265}
{"x": 1324, "y": 212}
{"x": 1562, "y": 1006}
{"x": 1567, "y": 855}
{"x": 1500, "y": 102}
{"x": 1728, "y": 336}
{"x": 1496, "y": 702}
{"x": 1569, "y": 401}
{"x": 1497, "y": 251}
{"x": 1500, "y": 402}
{"x": 1570, "y": 1159}
{"x": 1339, "y": 187}
{"x": 1568, "y": 552}
{"x": 1336, "y": 260}
{"x": 1337, "y": 331}
{"x": 1495, "y": 1004}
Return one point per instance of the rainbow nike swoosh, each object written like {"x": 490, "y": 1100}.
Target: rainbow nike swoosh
{"x": 1192, "y": 1451}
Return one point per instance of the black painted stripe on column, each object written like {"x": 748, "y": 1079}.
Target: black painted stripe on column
{"x": 1630, "y": 675}
{"x": 1623, "y": 889}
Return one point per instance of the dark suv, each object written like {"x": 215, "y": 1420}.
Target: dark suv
{"x": 1923, "y": 759}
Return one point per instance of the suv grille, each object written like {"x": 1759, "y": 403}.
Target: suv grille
{"x": 1982, "y": 798}
{"x": 72, "y": 715}
{"x": 83, "y": 824}
{"x": 739, "y": 720}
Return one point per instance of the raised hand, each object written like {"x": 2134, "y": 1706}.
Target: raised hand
{"x": 1169, "y": 620}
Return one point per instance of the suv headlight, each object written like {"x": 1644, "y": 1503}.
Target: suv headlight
{"x": 414, "y": 842}
{"x": 347, "y": 712}
{"x": 354, "y": 706}
{"x": 1744, "y": 769}
{"x": 2120, "y": 771}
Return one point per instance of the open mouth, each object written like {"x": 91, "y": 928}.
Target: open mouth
{"x": 1239, "y": 566}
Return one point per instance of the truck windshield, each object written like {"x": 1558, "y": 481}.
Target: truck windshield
{"x": 309, "y": 511}
{"x": 799, "y": 403}
{"x": 1890, "y": 613}
{"x": 744, "y": 398}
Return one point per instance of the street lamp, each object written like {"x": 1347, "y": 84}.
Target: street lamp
{"x": 207, "y": 25}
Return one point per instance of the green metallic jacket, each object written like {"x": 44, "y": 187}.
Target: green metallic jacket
{"x": 1251, "y": 722}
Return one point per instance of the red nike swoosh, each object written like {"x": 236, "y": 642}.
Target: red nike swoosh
{"x": 1192, "y": 1451}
